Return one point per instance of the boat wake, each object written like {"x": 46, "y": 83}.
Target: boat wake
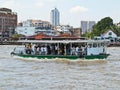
{"x": 81, "y": 62}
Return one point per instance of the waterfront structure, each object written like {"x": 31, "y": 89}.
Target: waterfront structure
{"x": 25, "y": 30}
{"x": 63, "y": 29}
{"x": 8, "y": 22}
{"x": 109, "y": 34}
{"x": 33, "y": 27}
{"x": 55, "y": 17}
{"x": 86, "y": 26}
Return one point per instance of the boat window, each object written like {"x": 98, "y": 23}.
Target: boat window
{"x": 89, "y": 45}
{"x": 94, "y": 45}
{"x": 99, "y": 44}
{"x": 102, "y": 44}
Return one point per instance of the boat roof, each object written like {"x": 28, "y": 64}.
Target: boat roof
{"x": 63, "y": 41}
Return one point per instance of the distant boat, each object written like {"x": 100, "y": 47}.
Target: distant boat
{"x": 69, "y": 49}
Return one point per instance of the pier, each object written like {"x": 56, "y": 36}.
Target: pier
{"x": 10, "y": 43}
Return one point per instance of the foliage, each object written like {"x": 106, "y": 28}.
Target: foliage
{"x": 16, "y": 36}
{"x": 88, "y": 35}
{"x": 102, "y": 26}
{"x": 116, "y": 29}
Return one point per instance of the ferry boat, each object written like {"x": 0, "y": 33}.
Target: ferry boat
{"x": 69, "y": 49}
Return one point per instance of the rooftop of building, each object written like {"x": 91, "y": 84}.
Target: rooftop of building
{"x": 6, "y": 11}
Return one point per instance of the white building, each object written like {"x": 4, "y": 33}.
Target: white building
{"x": 109, "y": 34}
{"x": 63, "y": 28}
{"x": 36, "y": 23}
{"x": 55, "y": 17}
{"x": 27, "y": 31}
{"x": 32, "y": 27}
{"x": 86, "y": 26}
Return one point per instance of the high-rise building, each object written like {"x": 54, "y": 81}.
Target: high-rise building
{"x": 55, "y": 17}
{"x": 86, "y": 26}
{"x": 90, "y": 24}
{"x": 8, "y": 22}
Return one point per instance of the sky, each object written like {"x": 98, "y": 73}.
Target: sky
{"x": 71, "y": 11}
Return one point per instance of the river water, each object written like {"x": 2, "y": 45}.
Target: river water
{"x": 59, "y": 74}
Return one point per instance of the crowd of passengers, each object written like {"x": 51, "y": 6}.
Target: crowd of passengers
{"x": 53, "y": 49}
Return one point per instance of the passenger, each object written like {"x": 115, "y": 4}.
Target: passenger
{"x": 33, "y": 48}
{"x": 76, "y": 50}
{"x": 48, "y": 49}
{"x": 38, "y": 50}
{"x": 60, "y": 51}
{"x": 45, "y": 50}
{"x": 29, "y": 49}
{"x": 56, "y": 50}
{"x": 68, "y": 50}
{"x": 73, "y": 50}
{"x": 42, "y": 50}
{"x": 52, "y": 49}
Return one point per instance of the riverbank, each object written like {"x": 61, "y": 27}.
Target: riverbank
{"x": 115, "y": 44}
{"x": 10, "y": 43}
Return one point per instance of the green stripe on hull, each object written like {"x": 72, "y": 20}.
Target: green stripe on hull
{"x": 97, "y": 56}
{"x": 49, "y": 56}
{"x": 103, "y": 56}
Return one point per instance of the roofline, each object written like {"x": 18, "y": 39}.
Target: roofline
{"x": 63, "y": 41}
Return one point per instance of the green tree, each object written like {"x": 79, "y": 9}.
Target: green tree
{"x": 102, "y": 26}
{"x": 116, "y": 29}
{"x": 16, "y": 36}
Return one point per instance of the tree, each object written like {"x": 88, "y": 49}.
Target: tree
{"x": 103, "y": 25}
{"x": 116, "y": 29}
{"x": 17, "y": 36}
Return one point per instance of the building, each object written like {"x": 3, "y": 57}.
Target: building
{"x": 118, "y": 24}
{"x": 36, "y": 23}
{"x": 90, "y": 25}
{"x": 8, "y": 22}
{"x": 63, "y": 28}
{"x": 28, "y": 31}
{"x": 25, "y": 30}
{"x": 55, "y": 17}
{"x": 109, "y": 34}
{"x": 86, "y": 26}
{"x": 76, "y": 32}
{"x": 33, "y": 27}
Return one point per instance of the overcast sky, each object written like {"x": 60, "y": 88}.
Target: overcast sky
{"x": 71, "y": 11}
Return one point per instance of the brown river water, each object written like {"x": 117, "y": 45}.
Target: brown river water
{"x": 59, "y": 74}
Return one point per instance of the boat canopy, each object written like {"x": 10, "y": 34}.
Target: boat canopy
{"x": 63, "y": 41}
